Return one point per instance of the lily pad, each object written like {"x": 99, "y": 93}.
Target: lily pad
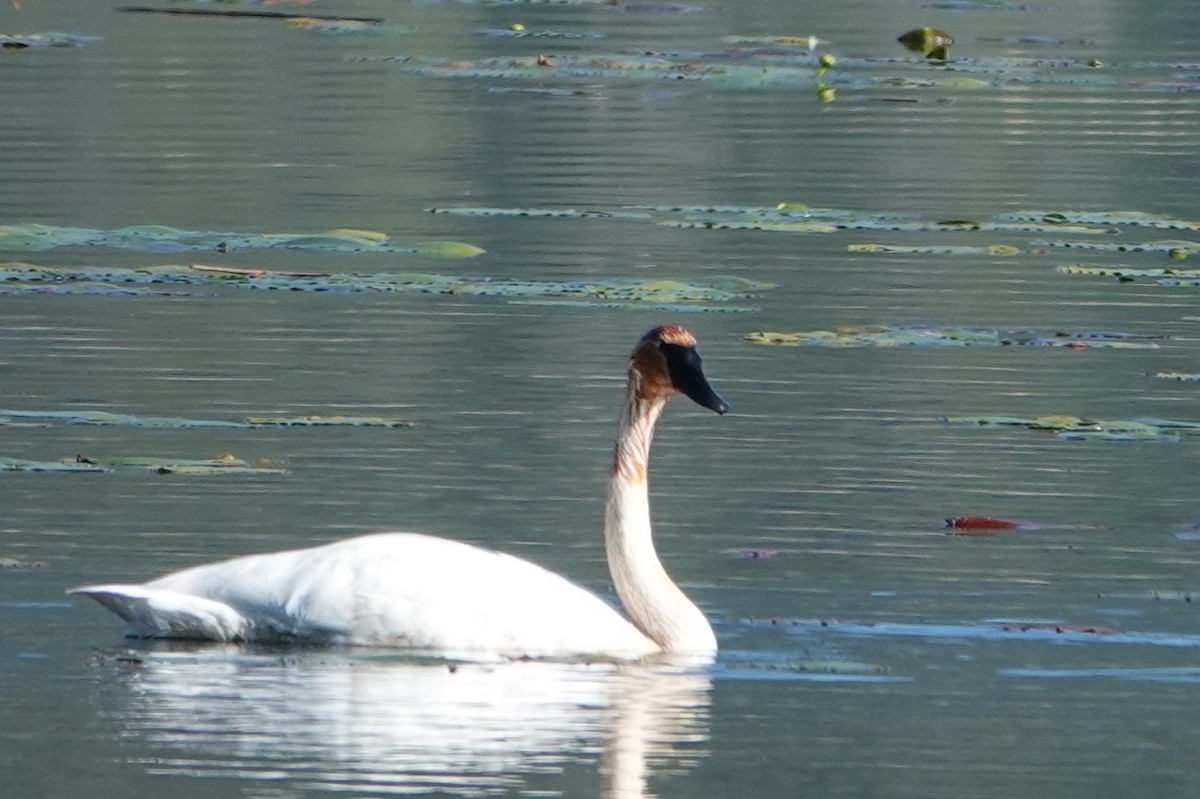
{"x": 929, "y": 42}
{"x": 1000, "y": 250}
{"x": 176, "y": 423}
{"x": 222, "y": 464}
{"x": 1181, "y": 377}
{"x": 924, "y": 336}
{"x": 65, "y": 465}
{"x": 326, "y": 421}
{"x": 1175, "y": 248}
{"x": 19, "y": 563}
{"x": 1073, "y": 428}
{"x": 33, "y": 237}
{"x": 714, "y": 293}
{"x": 21, "y": 41}
{"x": 1124, "y": 218}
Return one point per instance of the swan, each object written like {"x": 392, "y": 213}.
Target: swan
{"x": 415, "y": 591}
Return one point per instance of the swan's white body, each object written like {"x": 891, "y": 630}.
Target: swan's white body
{"x": 410, "y": 590}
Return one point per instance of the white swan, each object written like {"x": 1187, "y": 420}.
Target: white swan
{"x": 416, "y": 591}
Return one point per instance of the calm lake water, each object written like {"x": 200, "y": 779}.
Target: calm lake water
{"x": 867, "y": 650}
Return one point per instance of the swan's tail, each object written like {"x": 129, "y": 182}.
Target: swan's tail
{"x": 155, "y": 613}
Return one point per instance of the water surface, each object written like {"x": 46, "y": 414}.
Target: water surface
{"x": 873, "y": 653}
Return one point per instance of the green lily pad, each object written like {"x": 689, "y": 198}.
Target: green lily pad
{"x": 19, "y": 563}
{"x": 924, "y": 336}
{"x": 1001, "y": 250}
{"x": 1125, "y": 272}
{"x": 929, "y": 42}
{"x": 176, "y": 423}
{"x": 1181, "y": 377}
{"x": 116, "y": 419}
{"x": 1124, "y": 218}
{"x": 1073, "y": 428}
{"x": 1175, "y": 248}
{"x": 35, "y": 237}
{"x": 540, "y": 213}
{"x": 713, "y": 293}
{"x": 222, "y": 464}
{"x": 66, "y": 465}
{"x": 21, "y": 41}
{"x": 326, "y": 421}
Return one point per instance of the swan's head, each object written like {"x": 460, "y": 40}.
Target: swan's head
{"x": 666, "y": 362}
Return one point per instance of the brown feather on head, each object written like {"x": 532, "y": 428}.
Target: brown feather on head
{"x": 665, "y": 362}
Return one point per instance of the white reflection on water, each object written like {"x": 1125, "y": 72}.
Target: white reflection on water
{"x": 376, "y": 724}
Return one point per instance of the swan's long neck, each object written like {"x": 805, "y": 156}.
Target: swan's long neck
{"x": 653, "y": 601}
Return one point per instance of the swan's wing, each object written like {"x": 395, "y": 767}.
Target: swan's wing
{"x": 390, "y": 589}
{"x": 155, "y": 613}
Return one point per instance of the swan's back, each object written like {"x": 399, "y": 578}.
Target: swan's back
{"x": 403, "y": 590}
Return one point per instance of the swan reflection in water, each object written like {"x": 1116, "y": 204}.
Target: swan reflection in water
{"x": 373, "y": 724}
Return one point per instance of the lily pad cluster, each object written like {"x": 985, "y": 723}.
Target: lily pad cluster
{"x": 924, "y": 336}
{"x": 1074, "y": 428}
{"x": 788, "y": 60}
{"x": 716, "y": 293}
{"x": 224, "y": 464}
{"x": 22, "y": 41}
{"x": 33, "y": 237}
{"x": 93, "y": 417}
{"x": 791, "y": 217}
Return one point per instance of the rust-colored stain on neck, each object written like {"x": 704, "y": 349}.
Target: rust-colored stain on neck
{"x": 631, "y": 471}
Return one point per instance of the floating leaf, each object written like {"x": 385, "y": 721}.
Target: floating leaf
{"x": 1073, "y": 428}
{"x": 802, "y": 42}
{"x": 17, "y": 563}
{"x": 752, "y": 554}
{"x": 326, "y": 421}
{"x": 117, "y": 419}
{"x": 1169, "y": 247}
{"x": 1002, "y": 250}
{"x": 1182, "y": 377}
{"x": 1125, "y": 271}
{"x": 21, "y": 41}
{"x": 222, "y": 464}
{"x": 66, "y": 465}
{"x": 712, "y": 293}
{"x": 176, "y": 423}
{"x": 924, "y": 336}
{"x": 1130, "y": 218}
{"x": 988, "y": 630}
{"x": 521, "y": 32}
{"x": 929, "y": 42}
{"x": 158, "y": 238}
{"x": 982, "y": 523}
{"x": 341, "y": 25}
